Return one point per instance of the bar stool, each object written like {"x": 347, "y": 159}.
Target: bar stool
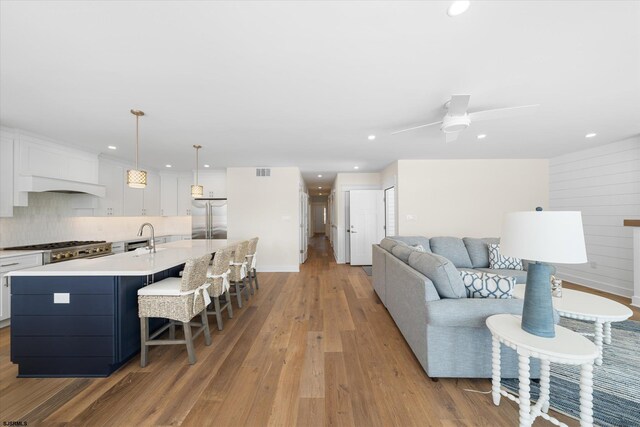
{"x": 217, "y": 277}
{"x": 238, "y": 273}
{"x": 179, "y": 300}
{"x": 251, "y": 264}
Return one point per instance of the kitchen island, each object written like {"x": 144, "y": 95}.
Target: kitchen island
{"x": 80, "y": 318}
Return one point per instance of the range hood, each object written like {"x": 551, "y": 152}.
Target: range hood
{"x": 39, "y": 184}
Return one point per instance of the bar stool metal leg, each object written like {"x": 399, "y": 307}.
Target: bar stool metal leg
{"x": 216, "y": 305}
{"x": 205, "y": 326}
{"x": 144, "y": 337}
{"x": 229, "y": 308}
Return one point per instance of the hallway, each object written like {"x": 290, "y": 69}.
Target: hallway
{"x": 311, "y": 348}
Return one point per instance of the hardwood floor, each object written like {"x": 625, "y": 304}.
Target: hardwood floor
{"x": 311, "y": 348}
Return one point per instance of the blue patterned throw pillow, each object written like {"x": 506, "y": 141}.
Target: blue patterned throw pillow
{"x": 487, "y": 285}
{"x": 497, "y": 261}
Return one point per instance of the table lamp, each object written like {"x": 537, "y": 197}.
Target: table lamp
{"x": 541, "y": 238}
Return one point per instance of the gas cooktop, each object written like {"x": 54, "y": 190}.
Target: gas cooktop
{"x": 57, "y": 245}
{"x": 64, "y": 251}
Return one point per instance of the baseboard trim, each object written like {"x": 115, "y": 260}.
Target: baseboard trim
{"x": 279, "y": 269}
{"x": 601, "y": 286}
{"x": 4, "y": 323}
{"x": 635, "y": 301}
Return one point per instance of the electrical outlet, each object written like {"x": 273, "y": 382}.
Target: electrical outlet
{"x": 593, "y": 264}
{"x": 411, "y": 217}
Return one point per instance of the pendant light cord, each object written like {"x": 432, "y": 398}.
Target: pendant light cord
{"x": 197, "y": 149}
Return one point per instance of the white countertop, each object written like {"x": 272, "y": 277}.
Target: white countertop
{"x": 8, "y": 253}
{"x": 129, "y": 264}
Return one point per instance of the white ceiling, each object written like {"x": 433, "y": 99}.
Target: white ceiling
{"x": 304, "y": 83}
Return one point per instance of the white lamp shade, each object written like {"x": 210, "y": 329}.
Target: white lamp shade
{"x": 545, "y": 236}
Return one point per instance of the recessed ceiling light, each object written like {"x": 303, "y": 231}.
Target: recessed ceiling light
{"x": 207, "y": 166}
{"x": 482, "y": 136}
{"x": 458, "y": 8}
{"x": 590, "y": 135}
{"x": 319, "y": 176}
{"x": 371, "y": 137}
{"x": 356, "y": 167}
{"x": 167, "y": 166}
{"x": 112, "y": 147}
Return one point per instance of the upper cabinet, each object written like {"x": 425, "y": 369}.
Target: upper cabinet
{"x": 6, "y": 173}
{"x": 214, "y": 183}
{"x": 111, "y": 175}
{"x": 168, "y": 194}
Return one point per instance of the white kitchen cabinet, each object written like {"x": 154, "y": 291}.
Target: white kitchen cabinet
{"x": 112, "y": 176}
{"x": 151, "y": 196}
{"x": 6, "y": 173}
{"x": 133, "y": 201}
{"x": 184, "y": 194}
{"x": 214, "y": 183}
{"x": 13, "y": 263}
{"x": 168, "y": 194}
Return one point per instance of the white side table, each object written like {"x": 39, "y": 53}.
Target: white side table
{"x": 566, "y": 347}
{"x": 588, "y": 307}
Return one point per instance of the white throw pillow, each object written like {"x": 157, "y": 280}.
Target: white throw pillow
{"x": 497, "y": 261}
{"x": 487, "y": 285}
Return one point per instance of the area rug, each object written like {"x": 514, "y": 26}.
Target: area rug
{"x": 368, "y": 269}
{"x": 616, "y": 384}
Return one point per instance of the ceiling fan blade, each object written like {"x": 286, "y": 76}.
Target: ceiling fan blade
{"x": 502, "y": 113}
{"x": 458, "y": 105}
{"x": 417, "y": 127}
{"x": 451, "y": 136}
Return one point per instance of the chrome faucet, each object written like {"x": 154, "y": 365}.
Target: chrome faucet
{"x": 152, "y": 242}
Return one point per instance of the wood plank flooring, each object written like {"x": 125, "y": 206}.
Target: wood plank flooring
{"x": 310, "y": 349}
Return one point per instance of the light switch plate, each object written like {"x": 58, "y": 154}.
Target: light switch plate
{"x": 61, "y": 298}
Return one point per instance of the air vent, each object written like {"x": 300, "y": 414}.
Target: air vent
{"x": 263, "y": 172}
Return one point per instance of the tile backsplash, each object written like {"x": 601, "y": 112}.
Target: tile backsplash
{"x": 49, "y": 218}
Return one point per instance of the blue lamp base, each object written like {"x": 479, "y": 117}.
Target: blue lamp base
{"x": 537, "y": 313}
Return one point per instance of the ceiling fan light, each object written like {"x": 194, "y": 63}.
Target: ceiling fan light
{"x": 197, "y": 191}
{"x": 136, "y": 178}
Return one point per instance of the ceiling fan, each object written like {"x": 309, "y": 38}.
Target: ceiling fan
{"x": 458, "y": 119}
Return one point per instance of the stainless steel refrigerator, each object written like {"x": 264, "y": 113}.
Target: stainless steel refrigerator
{"x": 209, "y": 219}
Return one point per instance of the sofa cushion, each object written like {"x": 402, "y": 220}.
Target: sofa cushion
{"x": 413, "y": 241}
{"x": 520, "y": 275}
{"x": 402, "y": 252}
{"x": 441, "y": 272}
{"x": 387, "y": 244}
{"x": 453, "y": 249}
{"x": 478, "y": 250}
{"x": 487, "y": 285}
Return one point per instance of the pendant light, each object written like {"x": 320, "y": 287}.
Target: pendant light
{"x": 137, "y": 178}
{"x": 197, "y": 190}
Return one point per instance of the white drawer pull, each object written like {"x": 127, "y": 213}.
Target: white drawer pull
{"x": 61, "y": 298}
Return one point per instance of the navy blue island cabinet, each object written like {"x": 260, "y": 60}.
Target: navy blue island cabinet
{"x": 76, "y": 326}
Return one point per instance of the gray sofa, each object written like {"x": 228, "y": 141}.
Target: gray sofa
{"x": 448, "y": 335}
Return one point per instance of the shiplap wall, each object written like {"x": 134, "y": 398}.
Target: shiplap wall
{"x": 603, "y": 183}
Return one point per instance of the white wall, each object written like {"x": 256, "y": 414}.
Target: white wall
{"x": 389, "y": 177}
{"x": 344, "y": 182}
{"x": 266, "y": 207}
{"x": 467, "y": 197}
{"x": 603, "y": 183}
{"x": 49, "y": 218}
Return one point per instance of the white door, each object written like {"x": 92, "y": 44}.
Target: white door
{"x": 318, "y": 217}
{"x": 347, "y": 228}
{"x": 366, "y": 223}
